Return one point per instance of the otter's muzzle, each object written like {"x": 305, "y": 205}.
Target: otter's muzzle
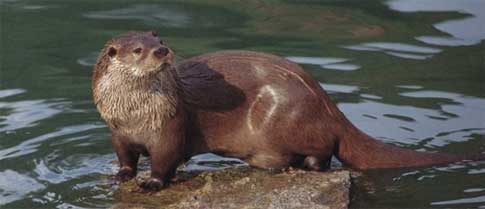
{"x": 161, "y": 52}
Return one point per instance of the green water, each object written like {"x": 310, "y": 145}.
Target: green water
{"x": 409, "y": 72}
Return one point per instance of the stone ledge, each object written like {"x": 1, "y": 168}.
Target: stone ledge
{"x": 245, "y": 187}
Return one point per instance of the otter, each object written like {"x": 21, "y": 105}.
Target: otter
{"x": 258, "y": 107}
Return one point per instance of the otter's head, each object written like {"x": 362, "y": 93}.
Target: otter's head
{"x": 136, "y": 53}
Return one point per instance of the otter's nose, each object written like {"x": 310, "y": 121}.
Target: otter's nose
{"x": 161, "y": 52}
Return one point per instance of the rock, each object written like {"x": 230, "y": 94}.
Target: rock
{"x": 244, "y": 187}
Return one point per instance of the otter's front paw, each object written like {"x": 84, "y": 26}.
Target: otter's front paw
{"x": 151, "y": 185}
{"x": 125, "y": 174}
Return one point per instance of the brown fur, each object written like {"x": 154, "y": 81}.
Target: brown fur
{"x": 258, "y": 107}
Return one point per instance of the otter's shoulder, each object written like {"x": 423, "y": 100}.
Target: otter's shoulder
{"x": 205, "y": 87}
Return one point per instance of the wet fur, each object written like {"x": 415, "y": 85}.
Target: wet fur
{"x": 147, "y": 102}
{"x": 258, "y": 107}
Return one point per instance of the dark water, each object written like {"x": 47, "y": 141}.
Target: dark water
{"x": 409, "y": 72}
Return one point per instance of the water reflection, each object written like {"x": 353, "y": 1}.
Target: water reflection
{"x": 465, "y": 31}
{"x": 68, "y": 206}
{"x": 339, "y": 88}
{"x": 343, "y": 67}
{"x": 389, "y": 46}
{"x": 332, "y": 63}
{"x": 59, "y": 169}
{"x": 409, "y": 56}
{"x": 401, "y": 50}
{"x": 30, "y": 145}
{"x": 477, "y": 171}
{"x": 460, "y": 192}
{"x": 14, "y": 186}
{"x": 454, "y": 120}
{"x": 23, "y": 114}
{"x": 209, "y": 161}
{"x": 89, "y": 60}
{"x": 409, "y": 86}
{"x": 468, "y": 200}
{"x": 474, "y": 190}
{"x": 316, "y": 60}
{"x": 150, "y": 14}
{"x": 464, "y": 166}
{"x": 93, "y": 195}
{"x": 11, "y": 92}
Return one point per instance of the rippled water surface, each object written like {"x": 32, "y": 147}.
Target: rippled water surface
{"x": 409, "y": 72}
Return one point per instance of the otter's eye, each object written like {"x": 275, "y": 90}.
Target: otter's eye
{"x": 137, "y": 51}
{"x": 162, "y": 42}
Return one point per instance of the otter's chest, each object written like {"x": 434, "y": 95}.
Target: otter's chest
{"x": 135, "y": 112}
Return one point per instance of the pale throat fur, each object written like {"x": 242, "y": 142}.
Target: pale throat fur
{"x": 134, "y": 103}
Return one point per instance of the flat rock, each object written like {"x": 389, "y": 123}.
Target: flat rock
{"x": 244, "y": 187}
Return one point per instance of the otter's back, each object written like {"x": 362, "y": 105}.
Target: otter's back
{"x": 244, "y": 96}
{"x": 233, "y": 76}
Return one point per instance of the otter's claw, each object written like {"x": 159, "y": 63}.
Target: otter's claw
{"x": 125, "y": 174}
{"x": 151, "y": 185}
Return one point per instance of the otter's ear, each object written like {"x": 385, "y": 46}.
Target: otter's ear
{"x": 112, "y": 51}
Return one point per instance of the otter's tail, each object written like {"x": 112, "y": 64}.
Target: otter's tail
{"x": 358, "y": 150}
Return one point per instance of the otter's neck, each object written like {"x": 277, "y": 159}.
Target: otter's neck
{"x": 136, "y": 104}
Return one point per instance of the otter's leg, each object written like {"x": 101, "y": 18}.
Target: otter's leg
{"x": 166, "y": 153}
{"x": 127, "y": 157}
{"x": 164, "y": 161}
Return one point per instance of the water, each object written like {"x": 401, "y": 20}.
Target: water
{"x": 409, "y": 72}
